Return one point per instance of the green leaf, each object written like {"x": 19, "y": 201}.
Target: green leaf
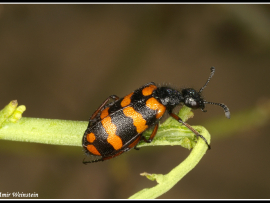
{"x": 166, "y": 182}
{"x": 171, "y": 132}
{"x": 11, "y": 113}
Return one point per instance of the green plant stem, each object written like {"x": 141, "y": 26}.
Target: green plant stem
{"x": 65, "y": 132}
{"x": 46, "y": 131}
{"x": 166, "y": 182}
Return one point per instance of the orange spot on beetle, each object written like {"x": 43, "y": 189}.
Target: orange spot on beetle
{"x": 110, "y": 128}
{"x": 104, "y": 113}
{"x": 127, "y": 99}
{"x": 138, "y": 121}
{"x": 148, "y": 90}
{"x": 91, "y": 137}
{"x": 93, "y": 150}
{"x": 152, "y": 103}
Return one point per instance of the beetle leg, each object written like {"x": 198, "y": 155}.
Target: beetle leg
{"x": 150, "y": 138}
{"x": 189, "y": 127}
{"x": 114, "y": 97}
{"x": 135, "y": 142}
{"x": 136, "y": 148}
{"x": 88, "y": 162}
{"x": 103, "y": 158}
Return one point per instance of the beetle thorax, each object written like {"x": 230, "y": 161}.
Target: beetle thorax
{"x": 168, "y": 97}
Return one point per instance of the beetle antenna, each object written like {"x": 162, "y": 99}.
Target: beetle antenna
{"x": 226, "y": 109}
{"x": 211, "y": 75}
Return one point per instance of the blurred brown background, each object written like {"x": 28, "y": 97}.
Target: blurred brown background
{"x": 62, "y": 61}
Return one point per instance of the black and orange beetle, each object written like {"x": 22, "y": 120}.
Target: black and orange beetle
{"x": 117, "y": 127}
